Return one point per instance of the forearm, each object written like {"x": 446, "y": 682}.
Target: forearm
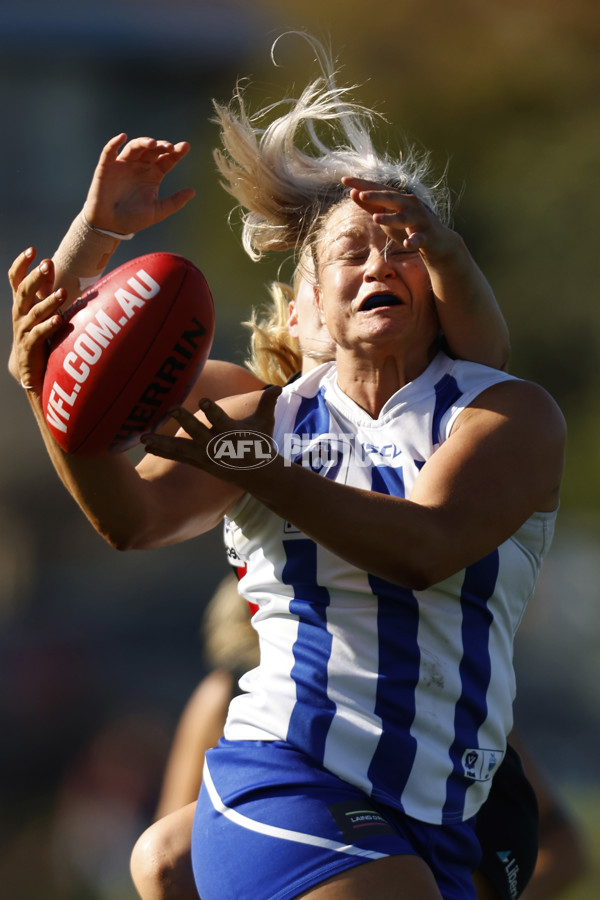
{"x": 98, "y": 486}
{"x": 138, "y": 507}
{"x": 471, "y": 319}
{"x": 387, "y": 536}
{"x": 81, "y": 257}
{"x": 507, "y": 447}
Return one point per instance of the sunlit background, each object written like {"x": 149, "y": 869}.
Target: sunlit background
{"x": 100, "y": 651}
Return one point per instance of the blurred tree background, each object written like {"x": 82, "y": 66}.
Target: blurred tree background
{"x": 99, "y": 651}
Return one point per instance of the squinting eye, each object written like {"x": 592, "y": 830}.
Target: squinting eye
{"x": 401, "y": 251}
{"x": 353, "y": 255}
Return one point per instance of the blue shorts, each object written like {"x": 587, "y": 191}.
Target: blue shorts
{"x": 270, "y": 823}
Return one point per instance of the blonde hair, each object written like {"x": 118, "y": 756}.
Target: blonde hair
{"x": 230, "y": 641}
{"x": 284, "y": 189}
{"x": 274, "y": 354}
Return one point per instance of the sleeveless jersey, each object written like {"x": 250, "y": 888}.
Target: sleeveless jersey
{"x": 406, "y": 694}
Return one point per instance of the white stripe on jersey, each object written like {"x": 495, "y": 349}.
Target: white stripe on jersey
{"x": 406, "y": 695}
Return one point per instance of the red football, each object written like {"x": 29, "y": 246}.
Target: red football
{"x": 132, "y": 347}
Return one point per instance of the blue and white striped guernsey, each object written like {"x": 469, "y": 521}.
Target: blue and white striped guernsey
{"x": 405, "y": 694}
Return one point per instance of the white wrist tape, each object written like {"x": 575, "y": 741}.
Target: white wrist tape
{"x": 111, "y": 234}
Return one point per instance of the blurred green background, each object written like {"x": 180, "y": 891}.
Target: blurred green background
{"x": 99, "y": 651}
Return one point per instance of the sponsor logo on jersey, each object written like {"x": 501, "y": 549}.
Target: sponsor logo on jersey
{"x": 330, "y": 450}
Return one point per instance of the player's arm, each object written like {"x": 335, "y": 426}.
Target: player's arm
{"x": 132, "y": 507}
{"x": 218, "y": 379}
{"x": 502, "y": 462}
{"x": 123, "y": 198}
{"x": 471, "y": 319}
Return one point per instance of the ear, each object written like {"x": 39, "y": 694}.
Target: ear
{"x": 292, "y": 319}
{"x": 319, "y": 304}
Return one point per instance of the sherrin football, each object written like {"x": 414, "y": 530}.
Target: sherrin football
{"x": 131, "y": 348}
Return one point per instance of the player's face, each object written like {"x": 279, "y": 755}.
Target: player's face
{"x": 371, "y": 289}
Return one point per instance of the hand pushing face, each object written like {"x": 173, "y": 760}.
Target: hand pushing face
{"x": 371, "y": 288}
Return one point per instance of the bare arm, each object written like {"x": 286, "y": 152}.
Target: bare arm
{"x": 199, "y": 728}
{"x": 470, "y": 317}
{"x": 149, "y": 505}
{"x": 123, "y": 198}
{"x": 502, "y": 462}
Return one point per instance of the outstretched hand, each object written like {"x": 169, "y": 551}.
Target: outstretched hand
{"x": 123, "y": 196}
{"x": 246, "y": 443}
{"x": 403, "y": 217}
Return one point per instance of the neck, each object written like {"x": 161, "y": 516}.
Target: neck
{"x": 371, "y": 383}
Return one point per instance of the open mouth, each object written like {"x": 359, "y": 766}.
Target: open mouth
{"x": 378, "y": 301}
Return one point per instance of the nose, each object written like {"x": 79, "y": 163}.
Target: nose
{"x": 378, "y": 267}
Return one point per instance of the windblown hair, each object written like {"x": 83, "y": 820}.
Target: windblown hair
{"x": 285, "y": 176}
{"x": 274, "y": 354}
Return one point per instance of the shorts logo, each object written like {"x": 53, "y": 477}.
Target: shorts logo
{"x": 357, "y": 823}
{"x": 512, "y": 871}
{"x": 480, "y": 764}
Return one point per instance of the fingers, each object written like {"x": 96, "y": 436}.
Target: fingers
{"x": 176, "y": 448}
{"x": 28, "y": 289}
{"x": 216, "y": 416}
{"x": 111, "y": 148}
{"x": 173, "y": 203}
{"x": 173, "y": 154}
{"x": 190, "y": 423}
{"x": 136, "y": 148}
{"x": 19, "y": 267}
{"x": 402, "y": 216}
{"x": 150, "y": 151}
{"x": 266, "y": 405}
{"x": 362, "y": 184}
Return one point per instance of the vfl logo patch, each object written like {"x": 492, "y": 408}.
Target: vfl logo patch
{"x": 480, "y": 764}
{"x": 357, "y": 823}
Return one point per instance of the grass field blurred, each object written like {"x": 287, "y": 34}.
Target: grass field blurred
{"x": 585, "y": 807}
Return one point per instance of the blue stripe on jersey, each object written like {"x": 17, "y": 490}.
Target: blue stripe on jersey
{"x": 387, "y": 480}
{"x": 399, "y": 662}
{"x": 398, "y": 671}
{"x": 312, "y": 416}
{"x": 475, "y": 670}
{"x": 447, "y": 392}
{"x": 313, "y": 710}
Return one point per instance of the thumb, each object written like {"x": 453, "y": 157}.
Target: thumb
{"x": 266, "y": 405}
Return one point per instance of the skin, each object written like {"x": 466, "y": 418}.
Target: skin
{"x": 379, "y": 329}
{"x": 443, "y": 527}
{"x": 466, "y": 306}
{"x": 175, "y": 492}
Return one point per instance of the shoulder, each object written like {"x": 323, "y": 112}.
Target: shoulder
{"x": 522, "y": 403}
{"x": 520, "y": 425}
